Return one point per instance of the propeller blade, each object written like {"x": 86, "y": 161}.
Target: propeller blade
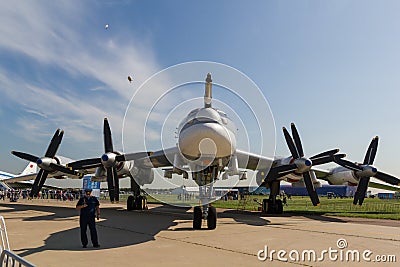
{"x": 326, "y": 159}
{"x": 42, "y": 181}
{"x": 38, "y": 183}
{"x": 290, "y": 143}
{"x": 297, "y": 141}
{"x": 371, "y": 151}
{"x": 25, "y": 156}
{"x": 116, "y": 183}
{"x": 132, "y": 156}
{"x": 54, "y": 144}
{"x": 65, "y": 170}
{"x": 361, "y": 190}
{"x": 310, "y": 189}
{"x": 85, "y": 164}
{"x": 278, "y": 172}
{"x": 108, "y": 145}
{"x": 387, "y": 178}
{"x": 347, "y": 164}
{"x": 326, "y": 153}
{"x": 110, "y": 183}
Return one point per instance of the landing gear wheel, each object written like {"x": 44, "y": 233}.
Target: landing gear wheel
{"x": 130, "y": 204}
{"x": 212, "y": 218}
{"x": 197, "y": 218}
{"x": 271, "y": 208}
{"x": 265, "y": 205}
{"x": 278, "y": 207}
{"x": 145, "y": 207}
{"x": 139, "y": 202}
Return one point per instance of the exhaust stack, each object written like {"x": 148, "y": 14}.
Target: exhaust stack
{"x": 208, "y": 92}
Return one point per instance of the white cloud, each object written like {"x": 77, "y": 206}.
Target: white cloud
{"x": 58, "y": 35}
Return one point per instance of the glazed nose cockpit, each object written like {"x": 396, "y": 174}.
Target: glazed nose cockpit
{"x": 206, "y": 133}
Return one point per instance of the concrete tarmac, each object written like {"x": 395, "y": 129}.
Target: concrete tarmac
{"x": 46, "y": 233}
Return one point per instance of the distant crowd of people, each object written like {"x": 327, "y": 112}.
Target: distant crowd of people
{"x": 62, "y": 195}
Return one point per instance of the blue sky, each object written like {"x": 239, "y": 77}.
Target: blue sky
{"x": 330, "y": 67}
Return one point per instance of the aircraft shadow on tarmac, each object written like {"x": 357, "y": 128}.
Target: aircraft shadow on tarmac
{"x": 118, "y": 227}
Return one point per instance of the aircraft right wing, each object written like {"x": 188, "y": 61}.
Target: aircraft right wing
{"x": 157, "y": 159}
{"x": 251, "y": 161}
{"x": 20, "y": 178}
{"x": 383, "y": 186}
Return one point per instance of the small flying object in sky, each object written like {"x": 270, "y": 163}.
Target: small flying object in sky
{"x": 130, "y": 79}
{"x": 106, "y": 26}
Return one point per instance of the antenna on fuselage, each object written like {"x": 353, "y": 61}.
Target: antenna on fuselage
{"x": 208, "y": 92}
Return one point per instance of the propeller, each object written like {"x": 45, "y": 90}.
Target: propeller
{"x": 109, "y": 161}
{"x": 366, "y": 170}
{"x": 47, "y": 164}
{"x": 300, "y": 164}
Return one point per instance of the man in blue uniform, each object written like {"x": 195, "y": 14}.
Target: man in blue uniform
{"x": 90, "y": 208}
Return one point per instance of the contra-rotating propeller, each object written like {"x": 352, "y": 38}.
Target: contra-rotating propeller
{"x": 366, "y": 170}
{"x": 300, "y": 164}
{"x": 47, "y": 164}
{"x": 109, "y": 160}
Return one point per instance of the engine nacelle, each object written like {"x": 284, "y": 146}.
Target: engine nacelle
{"x": 100, "y": 173}
{"x": 123, "y": 168}
{"x": 143, "y": 176}
{"x": 98, "y": 179}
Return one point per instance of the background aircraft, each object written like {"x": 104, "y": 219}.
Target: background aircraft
{"x": 359, "y": 174}
{"x": 50, "y": 165}
{"x": 28, "y": 173}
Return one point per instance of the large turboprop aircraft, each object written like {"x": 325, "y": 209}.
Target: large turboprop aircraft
{"x": 50, "y": 165}
{"x": 206, "y": 147}
{"x": 359, "y": 174}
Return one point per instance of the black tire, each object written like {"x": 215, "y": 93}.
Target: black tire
{"x": 145, "y": 207}
{"x": 197, "y": 218}
{"x": 265, "y": 205}
{"x": 212, "y": 218}
{"x": 270, "y": 207}
{"x": 279, "y": 207}
{"x": 130, "y": 203}
{"x": 139, "y": 202}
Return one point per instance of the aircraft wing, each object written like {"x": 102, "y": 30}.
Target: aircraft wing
{"x": 251, "y": 161}
{"x": 157, "y": 159}
{"x": 321, "y": 173}
{"x": 20, "y": 178}
{"x": 383, "y": 186}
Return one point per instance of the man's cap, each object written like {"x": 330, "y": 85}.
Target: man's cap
{"x": 88, "y": 189}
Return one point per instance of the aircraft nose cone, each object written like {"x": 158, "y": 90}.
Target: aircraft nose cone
{"x": 206, "y": 138}
{"x": 374, "y": 169}
{"x": 39, "y": 161}
{"x": 308, "y": 163}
